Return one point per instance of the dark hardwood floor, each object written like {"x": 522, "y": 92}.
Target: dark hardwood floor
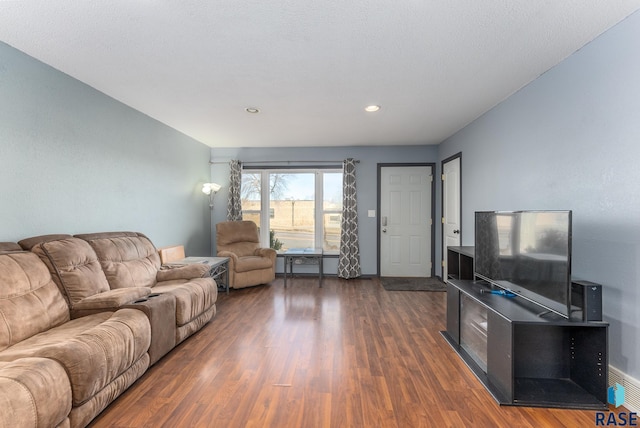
{"x": 350, "y": 354}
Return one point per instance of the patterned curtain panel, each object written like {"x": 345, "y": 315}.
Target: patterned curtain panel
{"x": 349, "y": 260}
{"x": 234, "y": 206}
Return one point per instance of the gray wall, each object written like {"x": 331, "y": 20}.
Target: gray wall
{"x": 73, "y": 160}
{"x": 366, "y": 176}
{"x": 571, "y": 140}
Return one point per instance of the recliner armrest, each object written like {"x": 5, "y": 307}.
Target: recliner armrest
{"x": 232, "y": 256}
{"x": 266, "y": 252}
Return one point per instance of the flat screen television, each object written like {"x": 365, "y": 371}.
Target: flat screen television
{"x": 527, "y": 253}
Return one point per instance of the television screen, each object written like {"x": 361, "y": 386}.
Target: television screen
{"x": 527, "y": 253}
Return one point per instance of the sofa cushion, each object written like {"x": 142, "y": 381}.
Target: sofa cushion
{"x": 29, "y": 243}
{"x": 74, "y": 266}
{"x": 30, "y": 301}
{"x": 27, "y": 386}
{"x": 94, "y": 350}
{"x": 129, "y": 259}
{"x": 192, "y": 297}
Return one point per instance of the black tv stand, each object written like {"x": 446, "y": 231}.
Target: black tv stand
{"x": 545, "y": 313}
{"x": 522, "y": 356}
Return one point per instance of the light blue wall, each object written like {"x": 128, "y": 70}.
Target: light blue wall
{"x": 571, "y": 140}
{"x": 366, "y": 177}
{"x": 73, "y": 160}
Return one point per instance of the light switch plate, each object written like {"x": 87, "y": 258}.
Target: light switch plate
{"x": 372, "y": 213}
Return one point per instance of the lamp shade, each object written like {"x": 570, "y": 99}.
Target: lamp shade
{"x": 208, "y": 188}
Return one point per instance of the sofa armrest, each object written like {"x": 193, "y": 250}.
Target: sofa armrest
{"x": 266, "y": 252}
{"x": 27, "y": 386}
{"x": 108, "y": 301}
{"x": 196, "y": 270}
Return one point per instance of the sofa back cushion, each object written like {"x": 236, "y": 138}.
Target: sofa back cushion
{"x": 9, "y": 247}
{"x": 73, "y": 264}
{"x": 30, "y": 301}
{"x": 239, "y": 237}
{"x": 128, "y": 259}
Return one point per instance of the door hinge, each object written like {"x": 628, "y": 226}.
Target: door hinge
{"x": 442, "y": 263}
{"x": 431, "y": 178}
{"x": 443, "y": 177}
{"x": 430, "y": 222}
{"x": 442, "y": 220}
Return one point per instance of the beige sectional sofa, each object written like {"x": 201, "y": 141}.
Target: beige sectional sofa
{"x": 130, "y": 259}
{"x": 26, "y": 388}
{"x": 78, "y": 327}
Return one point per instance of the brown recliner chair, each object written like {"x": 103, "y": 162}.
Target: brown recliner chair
{"x": 248, "y": 263}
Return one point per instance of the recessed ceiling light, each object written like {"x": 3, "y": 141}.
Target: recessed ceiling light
{"x": 252, "y": 110}
{"x": 372, "y": 108}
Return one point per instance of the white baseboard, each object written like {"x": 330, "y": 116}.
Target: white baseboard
{"x": 631, "y": 388}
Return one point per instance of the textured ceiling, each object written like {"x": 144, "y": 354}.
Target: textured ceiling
{"x": 310, "y": 66}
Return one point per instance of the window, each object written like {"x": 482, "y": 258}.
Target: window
{"x": 304, "y": 206}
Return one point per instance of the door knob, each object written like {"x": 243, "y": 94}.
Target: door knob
{"x": 456, "y": 231}
{"x": 384, "y": 230}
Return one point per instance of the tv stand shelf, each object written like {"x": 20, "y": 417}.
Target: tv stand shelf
{"x": 460, "y": 262}
{"x": 528, "y": 357}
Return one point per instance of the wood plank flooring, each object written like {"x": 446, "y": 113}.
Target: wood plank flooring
{"x": 350, "y": 354}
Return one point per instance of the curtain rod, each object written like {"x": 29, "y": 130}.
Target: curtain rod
{"x": 289, "y": 162}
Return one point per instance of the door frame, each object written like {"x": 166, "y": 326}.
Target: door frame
{"x": 433, "y": 209}
{"x": 444, "y": 161}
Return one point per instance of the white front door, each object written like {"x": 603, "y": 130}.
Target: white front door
{"x": 450, "y": 208}
{"x": 405, "y": 221}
